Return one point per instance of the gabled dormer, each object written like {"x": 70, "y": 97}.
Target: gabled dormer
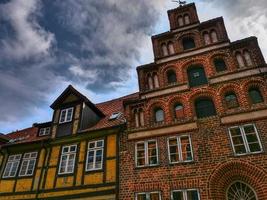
{"x": 183, "y": 16}
{"x": 73, "y": 112}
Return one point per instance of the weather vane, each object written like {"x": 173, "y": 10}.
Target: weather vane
{"x": 181, "y": 3}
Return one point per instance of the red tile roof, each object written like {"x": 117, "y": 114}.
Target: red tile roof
{"x": 109, "y": 107}
{"x": 31, "y": 134}
{"x": 24, "y": 136}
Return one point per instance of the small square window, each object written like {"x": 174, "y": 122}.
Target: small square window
{"x": 66, "y": 115}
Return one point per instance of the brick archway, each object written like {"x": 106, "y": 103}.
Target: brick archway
{"x": 232, "y": 171}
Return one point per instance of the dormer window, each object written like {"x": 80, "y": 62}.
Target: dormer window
{"x": 44, "y": 131}
{"x": 115, "y": 115}
{"x": 66, "y": 115}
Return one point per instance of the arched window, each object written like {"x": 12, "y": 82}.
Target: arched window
{"x": 240, "y": 191}
{"x": 180, "y": 21}
{"x": 186, "y": 19}
{"x": 171, "y": 48}
{"x": 219, "y": 64}
{"x": 188, "y": 43}
{"x": 171, "y": 76}
{"x": 214, "y": 37}
{"x": 204, "y": 108}
{"x": 231, "y": 100}
{"x": 248, "y": 58}
{"x": 159, "y": 115}
{"x": 255, "y": 95}
{"x": 240, "y": 60}
{"x": 206, "y": 38}
{"x": 156, "y": 80}
{"x": 178, "y": 111}
{"x": 164, "y": 49}
{"x": 150, "y": 82}
{"x": 196, "y": 76}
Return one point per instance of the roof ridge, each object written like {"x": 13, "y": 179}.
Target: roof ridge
{"x": 116, "y": 99}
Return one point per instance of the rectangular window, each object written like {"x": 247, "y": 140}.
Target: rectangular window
{"x": 44, "y": 131}
{"x": 12, "y": 166}
{"x": 67, "y": 160}
{"x": 191, "y": 194}
{"x": 28, "y": 164}
{"x": 66, "y": 115}
{"x": 245, "y": 139}
{"x": 180, "y": 149}
{"x": 146, "y": 153}
{"x": 95, "y": 152}
{"x": 148, "y": 196}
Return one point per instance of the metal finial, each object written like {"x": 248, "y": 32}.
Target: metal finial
{"x": 181, "y": 3}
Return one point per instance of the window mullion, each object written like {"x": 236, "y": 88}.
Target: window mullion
{"x": 185, "y": 195}
{"x": 179, "y": 149}
{"x": 67, "y": 162}
{"x": 146, "y": 153}
{"x": 94, "y": 161}
{"x": 245, "y": 139}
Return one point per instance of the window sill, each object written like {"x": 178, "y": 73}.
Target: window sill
{"x": 249, "y": 154}
{"x": 146, "y": 167}
{"x": 65, "y": 174}
{"x": 181, "y": 163}
{"x": 94, "y": 171}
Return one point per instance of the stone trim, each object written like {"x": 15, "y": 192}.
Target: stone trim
{"x": 163, "y": 131}
{"x": 192, "y": 53}
{"x": 244, "y": 117}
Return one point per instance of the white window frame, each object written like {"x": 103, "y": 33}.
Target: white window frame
{"x": 12, "y": 159}
{"x": 27, "y": 160}
{"x": 243, "y": 134}
{"x": 65, "y": 120}
{"x": 146, "y": 153}
{"x": 68, "y": 153}
{"x": 44, "y": 131}
{"x": 178, "y": 138}
{"x": 185, "y": 193}
{"x": 147, "y": 194}
{"x": 95, "y": 150}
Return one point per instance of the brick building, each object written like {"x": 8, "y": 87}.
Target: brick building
{"x": 198, "y": 129}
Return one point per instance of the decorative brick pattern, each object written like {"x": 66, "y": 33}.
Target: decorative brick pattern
{"x": 215, "y": 165}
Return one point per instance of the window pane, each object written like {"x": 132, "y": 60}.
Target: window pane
{"x": 255, "y": 96}
{"x": 231, "y": 100}
{"x": 238, "y": 141}
{"x": 63, "y": 115}
{"x": 159, "y": 115}
{"x": 178, "y": 195}
{"x": 14, "y": 169}
{"x": 69, "y": 115}
{"x": 154, "y": 196}
{"x": 192, "y": 195}
{"x": 173, "y": 149}
{"x": 196, "y": 76}
{"x": 152, "y": 152}
{"x": 186, "y": 148}
{"x": 188, "y": 43}
{"x": 219, "y": 65}
{"x": 171, "y": 77}
{"x": 205, "y": 108}
{"x": 141, "y": 196}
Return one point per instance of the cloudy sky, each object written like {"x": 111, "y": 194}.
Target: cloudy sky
{"x": 93, "y": 45}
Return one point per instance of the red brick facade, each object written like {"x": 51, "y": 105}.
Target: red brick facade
{"x": 215, "y": 166}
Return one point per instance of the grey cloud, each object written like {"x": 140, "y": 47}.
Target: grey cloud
{"x": 48, "y": 44}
